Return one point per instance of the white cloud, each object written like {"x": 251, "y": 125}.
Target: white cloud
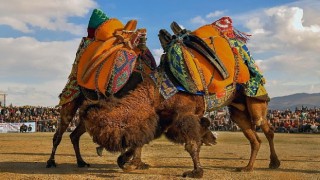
{"x": 157, "y": 54}
{"x": 285, "y": 44}
{"x": 24, "y": 16}
{"x": 209, "y": 18}
{"x": 198, "y": 20}
{"x": 44, "y": 94}
{"x": 287, "y": 48}
{"x": 33, "y": 71}
{"x": 215, "y": 14}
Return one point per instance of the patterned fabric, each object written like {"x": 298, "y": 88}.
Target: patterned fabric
{"x": 224, "y": 25}
{"x": 166, "y": 87}
{"x": 149, "y": 60}
{"x": 192, "y": 61}
{"x": 254, "y": 87}
{"x": 220, "y": 99}
{"x": 179, "y": 69}
{"x": 124, "y": 65}
{"x": 85, "y": 42}
{"x": 72, "y": 90}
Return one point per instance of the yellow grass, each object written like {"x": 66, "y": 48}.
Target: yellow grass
{"x": 24, "y": 156}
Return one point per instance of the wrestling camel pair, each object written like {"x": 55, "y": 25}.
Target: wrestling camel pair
{"x": 127, "y": 123}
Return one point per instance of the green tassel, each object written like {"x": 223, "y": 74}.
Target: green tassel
{"x": 97, "y": 18}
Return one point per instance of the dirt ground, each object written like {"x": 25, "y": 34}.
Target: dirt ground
{"x": 24, "y": 156}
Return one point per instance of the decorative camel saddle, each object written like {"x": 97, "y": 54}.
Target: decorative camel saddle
{"x": 106, "y": 57}
{"x": 211, "y": 61}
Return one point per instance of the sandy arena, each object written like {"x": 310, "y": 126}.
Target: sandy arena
{"x": 24, "y": 156}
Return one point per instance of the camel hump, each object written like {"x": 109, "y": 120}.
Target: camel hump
{"x": 203, "y": 59}
{"x": 107, "y": 61}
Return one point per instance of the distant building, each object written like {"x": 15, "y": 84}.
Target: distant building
{"x": 3, "y": 98}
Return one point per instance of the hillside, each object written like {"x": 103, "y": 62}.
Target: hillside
{"x": 295, "y": 100}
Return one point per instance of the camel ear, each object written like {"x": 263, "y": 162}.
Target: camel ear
{"x": 204, "y": 122}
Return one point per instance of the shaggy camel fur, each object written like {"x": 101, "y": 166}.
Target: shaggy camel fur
{"x": 179, "y": 118}
{"x": 130, "y": 122}
{"x": 68, "y": 112}
{"x": 145, "y": 61}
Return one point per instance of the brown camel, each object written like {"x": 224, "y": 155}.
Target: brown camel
{"x": 132, "y": 121}
{"x": 68, "y": 111}
{"x": 108, "y": 40}
{"x": 180, "y": 116}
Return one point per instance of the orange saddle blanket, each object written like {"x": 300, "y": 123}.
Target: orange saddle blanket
{"x": 194, "y": 70}
{"x": 106, "y": 64}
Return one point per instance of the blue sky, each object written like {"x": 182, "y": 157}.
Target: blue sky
{"x": 39, "y": 39}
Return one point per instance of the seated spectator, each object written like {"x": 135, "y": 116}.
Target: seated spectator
{"x": 294, "y": 127}
{"x": 281, "y": 128}
{"x": 314, "y": 127}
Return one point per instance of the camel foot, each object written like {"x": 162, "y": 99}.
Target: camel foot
{"x": 131, "y": 165}
{"x": 81, "y": 163}
{"x": 197, "y": 173}
{"x": 99, "y": 151}
{"x": 51, "y": 163}
{"x": 274, "y": 164}
{"x": 142, "y": 165}
{"x": 121, "y": 161}
{"x": 244, "y": 169}
{"x": 127, "y": 167}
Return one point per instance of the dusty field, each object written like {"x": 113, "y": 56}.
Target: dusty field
{"x": 24, "y": 156}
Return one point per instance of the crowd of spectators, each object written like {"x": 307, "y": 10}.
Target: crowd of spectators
{"x": 45, "y": 117}
{"x": 220, "y": 121}
{"x": 301, "y": 120}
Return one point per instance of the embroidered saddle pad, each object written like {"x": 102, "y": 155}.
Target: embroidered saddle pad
{"x": 168, "y": 86}
{"x": 106, "y": 58}
{"x": 203, "y": 59}
{"x": 108, "y": 61}
{"x": 255, "y": 86}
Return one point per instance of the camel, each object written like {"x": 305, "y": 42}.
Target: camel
{"x": 68, "y": 112}
{"x": 179, "y": 119}
{"x": 120, "y": 38}
{"x": 128, "y": 123}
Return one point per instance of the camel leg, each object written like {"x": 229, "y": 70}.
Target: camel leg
{"x": 188, "y": 126}
{"x": 257, "y": 110}
{"x": 75, "y": 139}
{"x": 67, "y": 113}
{"x": 193, "y": 148}
{"x": 258, "y": 113}
{"x": 269, "y": 133}
{"x": 136, "y": 160}
{"x": 125, "y": 158}
{"x": 243, "y": 121}
{"x": 126, "y": 164}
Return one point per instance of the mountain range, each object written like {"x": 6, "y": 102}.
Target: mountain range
{"x": 295, "y": 100}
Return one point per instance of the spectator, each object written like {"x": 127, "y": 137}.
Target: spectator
{"x": 314, "y": 127}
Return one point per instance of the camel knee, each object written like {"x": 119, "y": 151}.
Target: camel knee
{"x": 258, "y": 138}
{"x": 268, "y": 131}
{"x": 254, "y": 140}
{"x": 255, "y": 143}
{"x": 192, "y": 147}
{"x": 258, "y": 121}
